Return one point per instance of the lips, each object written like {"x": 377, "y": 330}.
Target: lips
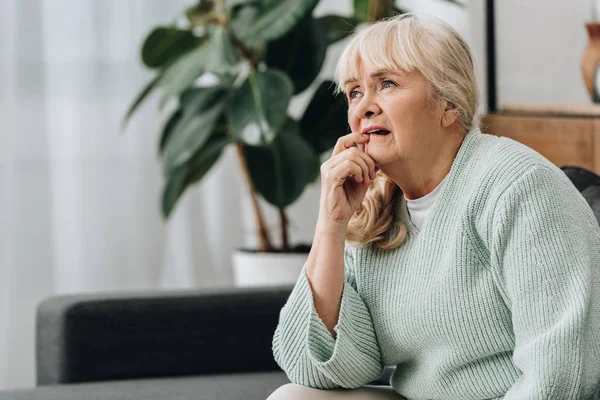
{"x": 375, "y": 130}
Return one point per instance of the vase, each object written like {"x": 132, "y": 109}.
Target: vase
{"x": 253, "y": 269}
{"x": 591, "y": 61}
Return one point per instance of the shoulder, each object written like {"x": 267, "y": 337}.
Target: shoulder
{"x": 497, "y": 172}
{"x": 504, "y": 158}
{"x": 495, "y": 164}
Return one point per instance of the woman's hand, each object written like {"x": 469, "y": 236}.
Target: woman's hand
{"x": 345, "y": 178}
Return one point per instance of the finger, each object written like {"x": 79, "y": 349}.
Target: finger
{"x": 370, "y": 162}
{"x": 345, "y": 170}
{"x": 371, "y": 167}
{"x": 354, "y": 154}
{"x": 347, "y": 141}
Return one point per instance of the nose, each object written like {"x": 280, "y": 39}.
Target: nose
{"x": 368, "y": 107}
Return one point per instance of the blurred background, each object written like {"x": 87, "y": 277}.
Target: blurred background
{"x": 80, "y": 200}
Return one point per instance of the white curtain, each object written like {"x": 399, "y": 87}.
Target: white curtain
{"x": 79, "y": 201}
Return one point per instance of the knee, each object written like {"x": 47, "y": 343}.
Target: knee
{"x": 290, "y": 391}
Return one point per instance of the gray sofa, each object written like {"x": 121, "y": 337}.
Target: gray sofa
{"x": 208, "y": 345}
{"x": 213, "y": 344}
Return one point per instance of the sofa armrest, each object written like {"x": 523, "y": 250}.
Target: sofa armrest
{"x": 84, "y": 338}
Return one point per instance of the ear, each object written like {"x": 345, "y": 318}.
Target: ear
{"x": 450, "y": 114}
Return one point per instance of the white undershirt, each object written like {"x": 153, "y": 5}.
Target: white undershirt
{"x": 418, "y": 209}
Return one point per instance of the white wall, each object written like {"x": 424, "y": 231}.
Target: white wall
{"x": 539, "y": 48}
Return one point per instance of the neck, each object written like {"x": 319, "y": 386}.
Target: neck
{"x": 420, "y": 175}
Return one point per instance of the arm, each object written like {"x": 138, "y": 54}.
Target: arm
{"x": 325, "y": 271}
{"x": 305, "y": 349}
{"x": 546, "y": 254}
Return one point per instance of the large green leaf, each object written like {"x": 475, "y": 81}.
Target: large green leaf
{"x": 361, "y": 10}
{"x": 217, "y": 56}
{"x": 262, "y": 102}
{"x": 281, "y": 171}
{"x": 337, "y": 27}
{"x": 163, "y": 45}
{"x": 182, "y": 73}
{"x": 140, "y": 99}
{"x": 172, "y": 191}
{"x": 325, "y": 118}
{"x": 300, "y": 53}
{"x": 221, "y": 127}
{"x": 222, "y": 55}
{"x": 201, "y": 110}
{"x": 292, "y": 127}
{"x": 242, "y": 20}
{"x": 277, "y": 17}
{"x": 213, "y": 148}
{"x": 168, "y": 129}
{"x": 194, "y": 170}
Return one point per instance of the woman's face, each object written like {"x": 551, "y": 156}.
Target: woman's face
{"x": 399, "y": 103}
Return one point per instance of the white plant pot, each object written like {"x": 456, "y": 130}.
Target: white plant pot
{"x": 252, "y": 269}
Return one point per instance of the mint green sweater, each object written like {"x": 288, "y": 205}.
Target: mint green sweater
{"x": 497, "y": 297}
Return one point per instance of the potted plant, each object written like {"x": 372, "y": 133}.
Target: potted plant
{"x": 259, "y": 53}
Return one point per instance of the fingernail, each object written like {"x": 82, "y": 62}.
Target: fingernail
{"x": 365, "y": 135}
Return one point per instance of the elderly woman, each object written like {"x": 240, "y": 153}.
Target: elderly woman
{"x": 468, "y": 261}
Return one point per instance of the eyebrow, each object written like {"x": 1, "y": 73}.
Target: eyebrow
{"x": 375, "y": 74}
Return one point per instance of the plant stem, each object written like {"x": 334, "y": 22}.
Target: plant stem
{"x": 378, "y": 9}
{"x": 247, "y": 54}
{"x": 283, "y": 220}
{"x": 264, "y": 243}
{"x": 221, "y": 14}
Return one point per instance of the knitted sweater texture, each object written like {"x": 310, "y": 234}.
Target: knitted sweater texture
{"x": 497, "y": 297}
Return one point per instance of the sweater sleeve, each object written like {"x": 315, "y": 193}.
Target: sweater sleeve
{"x": 308, "y": 353}
{"x": 546, "y": 253}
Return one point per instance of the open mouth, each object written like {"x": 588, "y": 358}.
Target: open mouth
{"x": 381, "y": 132}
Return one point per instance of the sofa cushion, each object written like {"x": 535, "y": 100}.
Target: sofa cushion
{"x": 208, "y": 387}
{"x": 156, "y": 334}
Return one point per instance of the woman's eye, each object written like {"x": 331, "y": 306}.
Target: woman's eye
{"x": 387, "y": 84}
{"x": 353, "y": 95}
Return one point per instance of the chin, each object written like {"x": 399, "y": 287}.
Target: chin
{"x": 380, "y": 155}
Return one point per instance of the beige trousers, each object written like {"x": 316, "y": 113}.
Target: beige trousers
{"x": 296, "y": 392}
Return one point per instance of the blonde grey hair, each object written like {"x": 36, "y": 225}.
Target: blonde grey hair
{"x": 407, "y": 42}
